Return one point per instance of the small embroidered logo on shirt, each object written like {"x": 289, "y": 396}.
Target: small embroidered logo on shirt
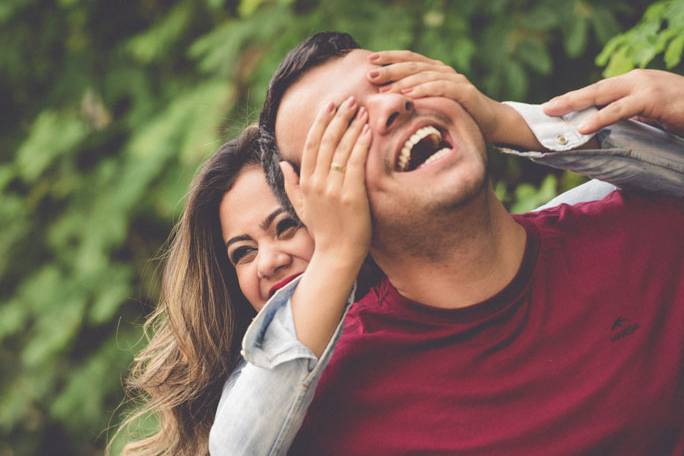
{"x": 622, "y": 327}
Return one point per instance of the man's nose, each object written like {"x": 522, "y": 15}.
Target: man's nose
{"x": 270, "y": 261}
{"x": 387, "y": 110}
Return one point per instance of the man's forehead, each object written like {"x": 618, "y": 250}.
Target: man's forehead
{"x": 335, "y": 80}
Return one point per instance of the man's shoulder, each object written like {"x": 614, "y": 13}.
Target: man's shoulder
{"x": 633, "y": 216}
{"x": 616, "y": 206}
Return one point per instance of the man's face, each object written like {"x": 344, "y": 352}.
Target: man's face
{"x": 397, "y": 196}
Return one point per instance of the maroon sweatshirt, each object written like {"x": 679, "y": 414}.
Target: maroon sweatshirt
{"x": 582, "y": 353}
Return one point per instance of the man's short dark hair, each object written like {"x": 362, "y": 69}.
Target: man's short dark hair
{"x": 310, "y": 53}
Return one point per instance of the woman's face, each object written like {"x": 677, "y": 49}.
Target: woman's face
{"x": 265, "y": 245}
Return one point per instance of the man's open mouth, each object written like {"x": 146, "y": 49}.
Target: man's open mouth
{"x": 424, "y": 146}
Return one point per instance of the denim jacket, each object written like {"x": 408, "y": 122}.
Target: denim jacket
{"x": 265, "y": 400}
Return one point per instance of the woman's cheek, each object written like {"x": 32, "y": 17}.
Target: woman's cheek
{"x": 249, "y": 285}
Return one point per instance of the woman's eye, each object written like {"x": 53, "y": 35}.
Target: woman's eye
{"x": 287, "y": 227}
{"x": 243, "y": 254}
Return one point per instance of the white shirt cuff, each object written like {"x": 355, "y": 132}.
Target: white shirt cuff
{"x": 554, "y": 133}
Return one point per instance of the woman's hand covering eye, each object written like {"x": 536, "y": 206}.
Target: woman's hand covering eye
{"x": 417, "y": 76}
{"x": 330, "y": 195}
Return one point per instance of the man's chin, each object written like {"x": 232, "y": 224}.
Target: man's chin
{"x": 470, "y": 192}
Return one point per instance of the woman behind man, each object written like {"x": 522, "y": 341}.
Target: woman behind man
{"x": 234, "y": 247}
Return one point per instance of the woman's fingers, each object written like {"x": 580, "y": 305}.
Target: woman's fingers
{"x": 397, "y": 71}
{"x": 354, "y": 179}
{"x": 597, "y": 94}
{"x": 652, "y": 94}
{"x": 313, "y": 140}
{"x": 389, "y": 57}
{"x": 332, "y": 136}
{"x": 450, "y": 82}
{"x": 395, "y": 65}
{"x": 439, "y": 88}
{"x": 344, "y": 149}
{"x": 621, "y": 109}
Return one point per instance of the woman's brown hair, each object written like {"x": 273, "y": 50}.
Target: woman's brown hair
{"x": 199, "y": 321}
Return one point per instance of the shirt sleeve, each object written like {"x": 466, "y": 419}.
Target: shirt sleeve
{"x": 633, "y": 155}
{"x": 554, "y": 133}
{"x": 264, "y": 401}
{"x": 271, "y": 339}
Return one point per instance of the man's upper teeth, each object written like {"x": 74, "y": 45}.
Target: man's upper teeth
{"x": 405, "y": 154}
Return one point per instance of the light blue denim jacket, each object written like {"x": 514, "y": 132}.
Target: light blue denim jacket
{"x": 265, "y": 400}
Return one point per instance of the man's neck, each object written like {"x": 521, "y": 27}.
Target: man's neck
{"x": 460, "y": 259}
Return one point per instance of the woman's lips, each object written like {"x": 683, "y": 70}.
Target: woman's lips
{"x": 282, "y": 283}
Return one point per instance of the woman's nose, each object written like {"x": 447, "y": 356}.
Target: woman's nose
{"x": 270, "y": 261}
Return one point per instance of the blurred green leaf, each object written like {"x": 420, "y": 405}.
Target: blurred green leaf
{"x": 604, "y": 24}
{"x": 528, "y": 197}
{"x": 673, "y": 55}
{"x": 14, "y": 317}
{"x": 517, "y": 80}
{"x": 83, "y": 401}
{"x": 543, "y": 17}
{"x": 248, "y": 7}
{"x": 620, "y": 62}
{"x": 8, "y": 8}
{"x": 114, "y": 289}
{"x": 536, "y": 56}
{"x": 52, "y": 135}
{"x": 658, "y": 33}
{"x": 16, "y": 216}
{"x": 155, "y": 42}
{"x": 576, "y": 37}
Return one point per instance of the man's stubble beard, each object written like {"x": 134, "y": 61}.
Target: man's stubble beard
{"x": 431, "y": 231}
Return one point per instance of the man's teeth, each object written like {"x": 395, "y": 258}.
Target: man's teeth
{"x": 436, "y": 156}
{"x": 405, "y": 154}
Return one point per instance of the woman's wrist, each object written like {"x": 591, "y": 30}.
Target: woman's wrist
{"x": 338, "y": 260}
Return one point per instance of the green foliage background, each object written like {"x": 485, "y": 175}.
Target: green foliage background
{"x": 109, "y": 107}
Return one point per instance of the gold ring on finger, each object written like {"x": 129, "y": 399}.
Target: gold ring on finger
{"x": 337, "y": 167}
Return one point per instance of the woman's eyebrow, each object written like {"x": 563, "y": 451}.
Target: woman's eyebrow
{"x": 269, "y": 219}
{"x": 233, "y": 240}
{"x": 263, "y": 225}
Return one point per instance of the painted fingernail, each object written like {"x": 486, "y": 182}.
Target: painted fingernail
{"x": 374, "y": 57}
{"x": 374, "y": 74}
{"x": 331, "y": 107}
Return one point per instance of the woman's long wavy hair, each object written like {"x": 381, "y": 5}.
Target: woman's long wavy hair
{"x": 199, "y": 321}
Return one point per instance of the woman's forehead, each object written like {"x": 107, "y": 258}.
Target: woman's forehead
{"x": 247, "y": 204}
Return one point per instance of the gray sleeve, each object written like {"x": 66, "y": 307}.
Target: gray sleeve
{"x": 633, "y": 155}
